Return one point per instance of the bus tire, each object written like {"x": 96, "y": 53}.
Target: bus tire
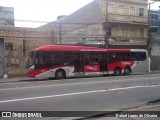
{"x": 117, "y": 71}
{"x": 127, "y": 71}
{"x": 60, "y": 74}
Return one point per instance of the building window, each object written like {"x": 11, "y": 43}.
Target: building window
{"x": 121, "y": 9}
{"x": 154, "y": 16}
{"x": 110, "y": 8}
{"x": 141, "y": 12}
{"x": 141, "y": 32}
{"x": 132, "y": 10}
{"x": 121, "y": 31}
{"x": 154, "y": 29}
{"x": 132, "y": 30}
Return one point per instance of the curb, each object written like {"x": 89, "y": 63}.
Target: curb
{"x": 18, "y": 79}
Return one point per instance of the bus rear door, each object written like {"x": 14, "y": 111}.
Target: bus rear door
{"x": 79, "y": 63}
{"x": 103, "y": 62}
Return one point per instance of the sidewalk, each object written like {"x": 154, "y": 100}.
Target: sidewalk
{"x": 18, "y": 79}
{"x": 15, "y": 79}
{"x": 154, "y": 72}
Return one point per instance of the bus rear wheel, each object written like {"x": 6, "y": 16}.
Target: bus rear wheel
{"x": 117, "y": 71}
{"x": 127, "y": 71}
{"x": 60, "y": 74}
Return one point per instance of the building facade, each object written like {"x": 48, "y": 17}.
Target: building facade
{"x": 125, "y": 22}
{"x": 83, "y": 26}
{"x": 15, "y": 45}
{"x": 111, "y": 23}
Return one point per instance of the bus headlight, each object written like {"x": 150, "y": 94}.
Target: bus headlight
{"x": 31, "y": 67}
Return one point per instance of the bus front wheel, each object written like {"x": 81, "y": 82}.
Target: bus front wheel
{"x": 60, "y": 74}
{"x": 117, "y": 71}
{"x": 127, "y": 71}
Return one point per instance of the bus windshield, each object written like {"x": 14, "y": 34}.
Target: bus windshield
{"x": 31, "y": 60}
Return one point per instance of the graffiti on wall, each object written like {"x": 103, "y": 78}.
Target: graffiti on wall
{"x": 14, "y": 61}
{"x": 13, "y": 56}
{"x": 9, "y": 46}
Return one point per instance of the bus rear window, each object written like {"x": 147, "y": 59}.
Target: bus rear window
{"x": 138, "y": 56}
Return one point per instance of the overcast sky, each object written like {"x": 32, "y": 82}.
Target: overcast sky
{"x": 42, "y": 10}
{"x": 45, "y": 10}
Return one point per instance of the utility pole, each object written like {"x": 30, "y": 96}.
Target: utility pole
{"x": 149, "y": 39}
{"x": 106, "y": 28}
{"x": 60, "y": 32}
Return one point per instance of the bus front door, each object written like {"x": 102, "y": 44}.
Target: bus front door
{"x": 103, "y": 61}
{"x": 79, "y": 63}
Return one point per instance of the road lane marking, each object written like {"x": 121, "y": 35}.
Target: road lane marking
{"x": 133, "y": 87}
{"x": 69, "y": 84}
{"x": 78, "y": 93}
{"x": 51, "y": 96}
{"x": 12, "y": 83}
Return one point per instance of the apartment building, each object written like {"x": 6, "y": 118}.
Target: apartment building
{"x": 125, "y": 22}
{"x": 111, "y": 23}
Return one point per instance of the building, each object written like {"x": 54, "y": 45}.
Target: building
{"x": 16, "y": 43}
{"x": 125, "y": 23}
{"x": 155, "y": 39}
{"x": 84, "y": 26}
{"x": 113, "y": 23}
{"x": 155, "y": 21}
{"x": 6, "y": 16}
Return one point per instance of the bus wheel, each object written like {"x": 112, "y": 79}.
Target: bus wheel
{"x": 117, "y": 71}
{"x": 60, "y": 74}
{"x": 127, "y": 71}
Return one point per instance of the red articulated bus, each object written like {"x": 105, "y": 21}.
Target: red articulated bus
{"x": 61, "y": 61}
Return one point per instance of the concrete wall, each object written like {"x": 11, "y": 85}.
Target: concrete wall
{"x": 155, "y": 51}
{"x": 18, "y": 42}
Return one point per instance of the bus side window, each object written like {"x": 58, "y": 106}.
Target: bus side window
{"x": 36, "y": 61}
{"x": 41, "y": 59}
{"x": 143, "y": 56}
{"x": 56, "y": 58}
{"x": 138, "y": 56}
{"x": 91, "y": 58}
{"x": 125, "y": 56}
{"x": 94, "y": 58}
{"x": 68, "y": 59}
{"x": 114, "y": 57}
{"x": 118, "y": 57}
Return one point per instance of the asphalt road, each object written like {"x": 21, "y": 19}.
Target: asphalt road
{"x": 81, "y": 94}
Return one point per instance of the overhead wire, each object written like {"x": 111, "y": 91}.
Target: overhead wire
{"x": 84, "y": 25}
